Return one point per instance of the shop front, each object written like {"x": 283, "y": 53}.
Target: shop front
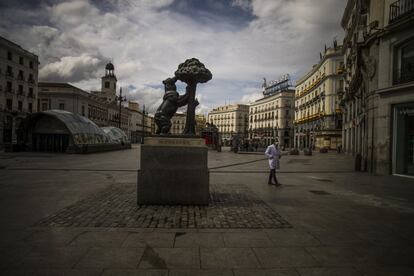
{"x": 403, "y": 140}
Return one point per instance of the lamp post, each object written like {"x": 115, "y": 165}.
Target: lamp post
{"x": 120, "y": 99}
{"x": 143, "y": 124}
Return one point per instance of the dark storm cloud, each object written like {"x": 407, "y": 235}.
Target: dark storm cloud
{"x": 213, "y": 11}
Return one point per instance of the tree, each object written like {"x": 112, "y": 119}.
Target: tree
{"x": 192, "y": 72}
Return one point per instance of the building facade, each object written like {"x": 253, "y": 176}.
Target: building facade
{"x": 178, "y": 123}
{"x": 102, "y": 107}
{"x": 230, "y": 120}
{"x": 135, "y": 122}
{"x": 271, "y": 117}
{"x": 318, "y": 117}
{"x": 63, "y": 96}
{"x": 18, "y": 88}
{"x": 378, "y": 102}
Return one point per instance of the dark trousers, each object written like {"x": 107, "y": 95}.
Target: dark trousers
{"x": 272, "y": 175}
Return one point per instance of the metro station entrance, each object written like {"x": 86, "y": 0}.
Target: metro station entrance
{"x": 50, "y": 142}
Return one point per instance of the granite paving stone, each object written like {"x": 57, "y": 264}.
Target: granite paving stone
{"x": 184, "y": 239}
{"x": 335, "y": 255}
{"x": 387, "y": 271}
{"x": 252, "y": 239}
{"x": 149, "y": 239}
{"x": 51, "y": 257}
{"x": 12, "y": 254}
{"x": 318, "y": 271}
{"x": 52, "y": 272}
{"x": 104, "y": 257}
{"x": 135, "y": 272}
{"x": 386, "y": 255}
{"x": 13, "y": 237}
{"x": 380, "y": 237}
{"x": 265, "y": 272}
{"x": 59, "y": 236}
{"x": 200, "y": 272}
{"x": 338, "y": 238}
{"x": 291, "y": 237}
{"x": 284, "y": 257}
{"x": 162, "y": 258}
{"x": 102, "y": 239}
{"x": 228, "y": 258}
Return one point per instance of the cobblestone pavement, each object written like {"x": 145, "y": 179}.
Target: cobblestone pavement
{"x": 231, "y": 206}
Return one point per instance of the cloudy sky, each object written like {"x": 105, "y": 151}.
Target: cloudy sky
{"x": 240, "y": 41}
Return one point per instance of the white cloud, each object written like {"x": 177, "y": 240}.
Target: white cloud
{"x": 146, "y": 41}
{"x": 71, "y": 69}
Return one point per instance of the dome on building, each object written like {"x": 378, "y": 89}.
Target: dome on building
{"x": 110, "y": 66}
{"x": 115, "y": 134}
{"x": 64, "y": 131}
{"x": 80, "y": 129}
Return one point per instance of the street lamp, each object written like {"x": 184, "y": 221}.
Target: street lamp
{"x": 120, "y": 99}
{"x": 143, "y": 123}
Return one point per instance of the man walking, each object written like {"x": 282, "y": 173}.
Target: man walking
{"x": 274, "y": 154}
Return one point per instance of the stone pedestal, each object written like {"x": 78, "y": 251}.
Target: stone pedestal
{"x": 173, "y": 171}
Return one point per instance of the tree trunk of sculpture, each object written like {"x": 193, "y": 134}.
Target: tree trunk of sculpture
{"x": 190, "y": 120}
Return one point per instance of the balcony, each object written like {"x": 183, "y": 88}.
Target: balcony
{"x": 9, "y": 75}
{"x": 9, "y": 90}
{"x": 404, "y": 75}
{"x": 400, "y": 9}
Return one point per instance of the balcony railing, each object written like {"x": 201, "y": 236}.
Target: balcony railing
{"x": 400, "y": 9}
{"x": 404, "y": 75}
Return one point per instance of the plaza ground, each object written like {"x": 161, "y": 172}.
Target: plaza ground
{"x": 328, "y": 220}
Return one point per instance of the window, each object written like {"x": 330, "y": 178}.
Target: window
{"x": 20, "y": 106}
{"x": 31, "y": 64}
{"x": 20, "y": 91}
{"x": 404, "y": 66}
{"x": 31, "y": 78}
{"x": 107, "y": 84}
{"x": 114, "y": 85}
{"x": 83, "y": 110}
{"x": 9, "y": 56}
{"x": 9, "y": 87}
{"x": 61, "y": 106}
{"x": 21, "y": 61}
{"x": 44, "y": 106}
{"x": 20, "y": 76}
{"x": 30, "y": 92}
{"x": 287, "y": 112}
{"x": 30, "y": 107}
{"x": 9, "y": 104}
{"x": 9, "y": 71}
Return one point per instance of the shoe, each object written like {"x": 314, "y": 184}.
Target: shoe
{"x": 278, "y": 184}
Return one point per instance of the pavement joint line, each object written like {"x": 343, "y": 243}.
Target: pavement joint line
{"x": 266, "y": 171}
{"x": 63, "y": 169}
{"x": 211, "y": 170}
{"x": 257, "y": 258}
{"x": 240, "y": 163}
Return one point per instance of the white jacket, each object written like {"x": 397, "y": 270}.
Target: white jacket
{"x": 273, "y": 154}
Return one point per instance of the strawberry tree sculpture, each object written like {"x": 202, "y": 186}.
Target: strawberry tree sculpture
{"x": 192, "y": 72}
